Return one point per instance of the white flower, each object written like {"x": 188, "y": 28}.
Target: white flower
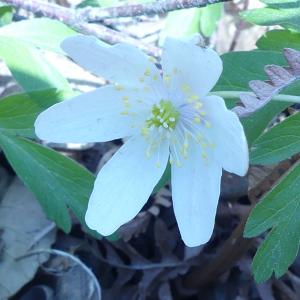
{"x": 167, "y": 117}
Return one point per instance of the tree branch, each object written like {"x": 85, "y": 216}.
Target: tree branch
{"x": 71, "y": 18}
{"x": 152, "y": 8}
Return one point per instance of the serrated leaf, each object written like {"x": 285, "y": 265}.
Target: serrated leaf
{"x": 40, "y": 32}
{"x": 30, "y": 69}
{"x": 19, "y": 111}
{"x": 279, "y": 143}
{"x": 57, "y": 181}
{"x": 279, "y": 210}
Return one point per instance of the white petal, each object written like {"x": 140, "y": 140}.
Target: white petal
{"x": 195, "y": 192}
{"x": 97, "y": 116}
{"x": 188, "y": 68}
{"x": 124, "y": 185}
{"x": 121, "y": 63}
{"x": 228, "y": 136}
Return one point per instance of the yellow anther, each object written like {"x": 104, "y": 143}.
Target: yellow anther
{"x": 198, "y": 105}
{"x": 147, "y": 72}
{"x": 155, "y": 77}
{"x": 194, "y": 98}
{"x": 141, "y": 79}
{"x": 152, "y": 59}
{"x": 199, "y": 136}
{"x": 167, "y": 78}
{"x": 204, "y": 155}
{"x": 185, "y": 88}
{"x": 125, "y": 113}
{"x": 207, "y": 124}
{"x": 145, "y": 131}
{"x": 213, "y": 145}
{"x": 178, "y": 164}
{"x": 203, "y": 113}
{"x": 197, "y": 120}
{"x": 125, "y": 98}
{"x": 119, "y": 87}
{"x": 203, "y": 144}
{"x": 147, "y": 89}
{"x": 158, "y": 165}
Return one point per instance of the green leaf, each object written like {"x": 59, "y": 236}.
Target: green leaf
{"x": 278, "y": 210}
{"x": 42, "y": 32}
{"x": 279, "y": 143}
{"x": 286, "y": 14}
{"x": 209, "y": 17}
{"x": 57, "y": 181}
{"x": 6, "y": 14}
{"x": 19, "y": 111}
{"x": 164, "y": 179}
{"x": 238, "y": 69}
{"x": 181, "y": 23}
{"x": 29, "y": 67}
{"x": 277, "y": 40}
{"x": 186, "y": 22}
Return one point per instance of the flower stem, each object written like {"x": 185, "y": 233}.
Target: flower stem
{"x": 236, "y": 95}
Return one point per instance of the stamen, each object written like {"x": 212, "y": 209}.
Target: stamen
{"x": 147, "y": 72}
{"x": 185, "y": 88}
{"x": 118, "y": 87}
{"x": 167, "y": 79}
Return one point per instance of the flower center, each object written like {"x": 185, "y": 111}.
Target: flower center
{"x": 164, "y": 115}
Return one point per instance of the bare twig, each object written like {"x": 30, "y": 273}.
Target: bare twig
{"x": 152, "y": 8}
{"x": 71, "y": 18}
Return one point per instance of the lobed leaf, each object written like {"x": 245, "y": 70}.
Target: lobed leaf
{"x": 58, "y": 182}
{"x": 279, "y": 210}
{"x": 279, "y": 143}
{"x": 19, "y": 111}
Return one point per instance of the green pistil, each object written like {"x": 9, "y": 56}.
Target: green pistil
{"x": 164, "y": 115}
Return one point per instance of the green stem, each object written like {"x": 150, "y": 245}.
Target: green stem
{"x": 236, "y": 95}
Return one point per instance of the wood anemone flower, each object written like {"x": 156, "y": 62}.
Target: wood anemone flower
{"x": 166, "y": 117}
